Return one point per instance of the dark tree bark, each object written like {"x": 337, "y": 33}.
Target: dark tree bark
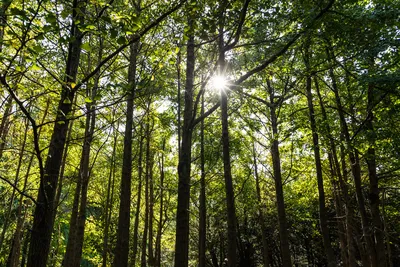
{"x": 355, "y": 169}
{"x": 342, "y": 182}
{"x": 148, "y": 174}
{"x": 161, "y": 218}
{"x": 78, "y": 217}
{"x": 374, "y": 198}
{"x": 8, "y": 213}
{"x": 3, "y": 20}
{"x": 203, "y": 207}
{"x": 109, "y": 199}
{"x": 264, "y": 230}
{"x": 84, "y": 168}
{"x": 4, "y": 127}
{"x": 63, "y": 164}
{"x": 44, "y": 213}
{"x": 276, "y": 164}
{"x": 151, "y": 215}
{"x": 21, "y": 212}
{"x": 185, "y": 158}
{"x": 25, "y": 248}
{"x": 122, "y": 245}
{"x": 318, "y": 166}
{"x": 230, "y": 195}
{"x": 138, "y": 202}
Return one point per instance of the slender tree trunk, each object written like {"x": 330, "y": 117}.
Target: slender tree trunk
{"x": 16, "y": 249}
{"x": 8, "y": 213}
{"x": 389, "y": 252}
{"x": 72, "y": 237}
{"x": 44, "y": 213}
{"x": 149, "y": 173}
{"x": 230, "y": 195}
{"x": 84, "y": 168}
{"x": 185, "y": 158}
{"x": 3, "y": 20}
{"x": 13, "y": 259}
{"x": 264, "y": 230}
{"x": 25, "y": 248}
{"x": 340, "y": 214}
{"x": 374, "y": 198}
{"x": 318, "y": 166}
{"x": 356, "y": 171}
{"x": 139, "y": 190}
{"x": 342, "y": 183}
{"x": 72, "y": 256}
{"x": 122, "y": 246}
{"x": 161, "y": 218}
{"x": 57, "y": 198}
{"x": 276, "y": 164}
{"x": 203, "y": 207}
{"x": 108, "y": 209}
{"x": 4, "y": 127}
{"x": 151, "y": 215}
{"x": 178, "y": 70}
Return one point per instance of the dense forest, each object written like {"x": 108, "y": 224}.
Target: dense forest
{"x": 200, "y": 133}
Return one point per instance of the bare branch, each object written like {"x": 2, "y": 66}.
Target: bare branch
{"x": 19, "y": 191}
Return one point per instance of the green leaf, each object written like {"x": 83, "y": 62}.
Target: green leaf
{"x": 114, "y": 33}
{"x": 91, "y": 27}
{"x": 35, "y": 67}
{"x": 121, "y": 40}
{"x": 88, "y": 100}
{"x": 51, "y": 18}
{"x": 86, "y": 47}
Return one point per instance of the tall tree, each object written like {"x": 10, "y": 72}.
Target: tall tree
{"x": 44, "y": 214}
{"x": 122, "y": 245}
{"x": 317, "y": 156}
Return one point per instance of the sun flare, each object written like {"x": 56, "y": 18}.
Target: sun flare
{"x": 219, "y": 83}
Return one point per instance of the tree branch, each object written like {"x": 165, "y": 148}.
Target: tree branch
{"x": 133, "y": 39}
{"x": 19, "y": 191}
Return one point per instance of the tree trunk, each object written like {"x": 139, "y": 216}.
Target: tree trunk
{"x": 276, "y": 164}
{"x": 16, "y": 249}
{"x": 160, "y": 221}
{"x": 122, "y": 246}
{"x": 25, "y": 248}
{"x": 374, "y": 198}
{"x": 151, "y": 215}
{"x": 149, "y": 173}
{"x": 15, "y": 186}
{"x": 4, "y": 126}
{"x": 185, "y": 158}
{"x": 63, "y": 164}
{"x": 85, "y": 161}
{"x": 108, "y": 205}
{"x": 318, "y": 166}
{"x": 230, "y": 195}
{"x": 77, "y": 222}
{"x": 342, "y": 183}
{"x": 203, "y": 207}
{"x": 43, "y": 220}
{"x": 72, "y": 237}
{"x": 139, "y": 190}
{"x": 356, "y": 171}
{"x": 264, "y": 230}
{"x": 340, "y": 214}
{"x": 389, "y": 252}
{"x": 3, "y": 20}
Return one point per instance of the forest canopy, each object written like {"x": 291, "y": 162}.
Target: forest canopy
{"x": 199, "y": 133}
